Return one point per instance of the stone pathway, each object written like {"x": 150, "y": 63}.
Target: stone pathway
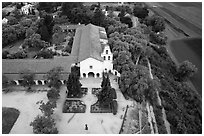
{"x": 89, "y": 99}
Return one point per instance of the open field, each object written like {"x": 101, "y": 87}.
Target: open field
{"x": 183, "y": 21}
{"x": 190, "y": 49}
{"x": 188, "y": 4}
{"x": 189, "y": 11}
{"x": 179, "y": 17}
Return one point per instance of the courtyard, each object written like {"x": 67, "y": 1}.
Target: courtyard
{"x": 68, "y": 123}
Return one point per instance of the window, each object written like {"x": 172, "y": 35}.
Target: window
{"x": 104, "y": 57}
{"x": 106, "y": 51}
{"x": 108, "y": 57}
{"x": 90, "y": 67}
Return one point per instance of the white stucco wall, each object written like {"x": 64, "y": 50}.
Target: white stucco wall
{"x": 107, "y": 64}
{"x": 97, "y": 67}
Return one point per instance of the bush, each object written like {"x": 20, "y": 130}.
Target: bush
{"x": 44, "y": 125}
{"x": 114, "y": 107}
{"x": 53, "y": 94}
{"x": 113, "y": 93}
{"x": 4, "y": 54}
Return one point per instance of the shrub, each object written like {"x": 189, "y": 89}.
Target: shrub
{"x": 44, "y": 125}
{"x": 53, "y": 94}
{"x": 4, "y": 54}
{"x": 114, "y": 107}
{"x": 113, "y": 93}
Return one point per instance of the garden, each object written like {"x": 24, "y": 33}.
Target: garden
{"x": 74, "y": 106}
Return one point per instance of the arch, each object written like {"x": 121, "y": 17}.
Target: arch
{"x": 59, "y": 81}
{"x": 116, "y": 73}
{"x": 45, "y": 82}
{"x": 84, "y": 75}
{"x": 65, "y": 82}
{"x": 91, "y": 74}
{"x": 39, "y": 82}
{"x": 62, "y": 81}
{"x": 13, "y": 82}
{"x": 108, "y": 57}
{"x": 97, "y": 75}
{"x": 16, "y": 81}
{"x": 20, "y": 81}
{"x": 36, "y": 82}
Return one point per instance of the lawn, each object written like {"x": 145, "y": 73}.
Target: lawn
{"x": 190, "y": 49}
{"x": 9, "y": 117}
{"x": 185, "y": 22}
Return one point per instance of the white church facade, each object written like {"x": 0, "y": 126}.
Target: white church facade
{"x": 90, "y": 51}
{"x": 93, "y": 52}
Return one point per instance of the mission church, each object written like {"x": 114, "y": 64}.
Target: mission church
{"x": 90, "y": 52}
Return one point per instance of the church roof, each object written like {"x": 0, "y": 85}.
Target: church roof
{"x": 87, "y": 43}
{"x": 14, "y": 66}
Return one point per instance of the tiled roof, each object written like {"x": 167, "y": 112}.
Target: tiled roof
{"x": 87, "y": 43}
{"x": 37, "y": 65}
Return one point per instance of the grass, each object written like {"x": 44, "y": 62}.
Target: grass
{"x": 190, "y": 49}
{"x": 9, "y": 117}
{"x": 189, "y": 4}
{"x": 183, "y": 21}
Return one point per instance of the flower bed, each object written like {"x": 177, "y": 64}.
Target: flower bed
{"x": 95, "y": 91}
{"x": 95, "y": 108}
{"x": 79, "y": 95}
{"x": 74, "y": 106}
{"x": 84, "y": 91}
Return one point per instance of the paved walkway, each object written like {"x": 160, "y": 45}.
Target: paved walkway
{"x": 98, "y": 123}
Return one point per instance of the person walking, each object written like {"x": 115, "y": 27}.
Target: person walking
{"x": 86, "y": 127}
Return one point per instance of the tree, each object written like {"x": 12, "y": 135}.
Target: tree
{"x": 186, "y": 70}
{"x": 49, "y": 7}
{"x": 105, "y": 96}
{"x": 98, "y": 18}
{"x": 44, "y": 125}
{"x": 57, "y": 38}
{"x": 20, "y": 31}
{"x": 126, "y": 20}
{"x": 47, "y": 108}
{"x": 4, "y": 54}
{"x": 9, "y": 35}
{"x": 26, "y": 22}
{"x": 28, "y": 78}
{"x": 12, "y": 20}
{"x": 123, "y": 59}
{"x": 57, "y": 29}
{"x": 67, "y": 8}
{"x": 53, "y": 76}
{"x": 5, "y": 81}
{"x": 45, "y": 54}
{"x": 158, "y": 38}
{"x": 140, "y": 12}
{"x": 156, "y": 22}
{"x": 29, "y": 32}
{"x": 74, "y": 85}
{"x": 151, "y": 93}
{"x": 53, "y": 94}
